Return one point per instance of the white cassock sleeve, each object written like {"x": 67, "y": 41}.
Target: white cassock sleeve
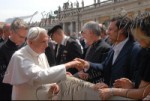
{"x": 22, "y": 69}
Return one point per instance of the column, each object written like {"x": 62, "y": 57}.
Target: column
{"x": 82, "y": 23}
{"x": 96, "y": 20}
{"x": 71, "y": 27}
{"x": 77, "y": 26}
{"x": 64, "y": 27}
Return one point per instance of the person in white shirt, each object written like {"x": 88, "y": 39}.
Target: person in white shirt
{"x": 29, "y": 72}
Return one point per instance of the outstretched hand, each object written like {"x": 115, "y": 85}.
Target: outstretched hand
{"x": 82, "y": 65}
{"x": 74, "y": 64}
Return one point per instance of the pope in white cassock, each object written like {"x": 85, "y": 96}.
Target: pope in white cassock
{"x": 29, "y": 71}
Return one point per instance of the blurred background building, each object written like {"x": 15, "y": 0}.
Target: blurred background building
{"x": 72, "y": 16}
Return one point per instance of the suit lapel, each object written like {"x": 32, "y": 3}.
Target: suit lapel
{"x": 109, "y": 58}
{"x": 60, "y": 53}
{"x": 124, "y": 50}
{"x": 56, "y": 49}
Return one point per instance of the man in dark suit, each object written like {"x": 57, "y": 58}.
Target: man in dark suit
{"x": 97, "y": 51}
{"x": 67, "y": 48}
{"x": 17, "y": 37}
{"x": 121, "y": 59}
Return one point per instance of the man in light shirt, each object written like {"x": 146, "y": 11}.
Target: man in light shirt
{"x": 121, "y": 59}
{"x": 28, "y": 70}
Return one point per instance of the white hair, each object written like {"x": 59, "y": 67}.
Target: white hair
{"x": 34, "y": 33}
{"x": 93, "y": 26}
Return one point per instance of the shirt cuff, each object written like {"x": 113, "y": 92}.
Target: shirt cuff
{"x": 87, "y": 68}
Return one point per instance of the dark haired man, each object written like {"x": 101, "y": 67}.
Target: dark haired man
{"x": 67, "y": 48}
{"x": 140, "y": 31}
{"x": 121, "y": 60}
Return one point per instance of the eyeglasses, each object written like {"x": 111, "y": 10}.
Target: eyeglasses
{"x": 20, "y": 29}
{"x": 23, "y": 37}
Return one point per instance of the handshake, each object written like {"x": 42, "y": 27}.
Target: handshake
{"x": 78, "y": 63}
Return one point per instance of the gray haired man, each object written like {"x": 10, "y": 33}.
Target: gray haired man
{"x": 16, "y": 40}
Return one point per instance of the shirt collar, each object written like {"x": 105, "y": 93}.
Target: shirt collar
{"x": 64, "y": 41}
{"x": 11, "y": 43}
{"x": 96, "y": 42}
{"x": 120, "y": 45}
{"x": 31, "y": 51}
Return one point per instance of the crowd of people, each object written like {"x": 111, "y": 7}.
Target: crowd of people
{"x": 115, "y": 59}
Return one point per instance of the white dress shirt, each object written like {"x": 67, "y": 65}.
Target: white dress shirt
{"x": 117, "y": 49}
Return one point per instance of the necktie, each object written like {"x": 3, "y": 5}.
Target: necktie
{"x": 57, "y": 51}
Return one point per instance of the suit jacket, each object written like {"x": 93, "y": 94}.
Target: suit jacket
{"x": 1, "y": 40}
{"x": 124, "y": 66}
{"x": 97, "y": 54}
{"x": 50, "y": 54}
{"x": 69, "y": 52}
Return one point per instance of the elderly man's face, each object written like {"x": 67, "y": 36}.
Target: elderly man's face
{"x": 40, "y": 44}
{"x": 87, "y": 36}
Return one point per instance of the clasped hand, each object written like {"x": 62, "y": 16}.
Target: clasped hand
{"x": 82, "y": 64}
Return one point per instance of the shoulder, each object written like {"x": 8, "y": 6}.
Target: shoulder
{"x": 136, "y": 44}
{"x": 136, "y": 47}
{"x": 103, "y": 45}
{"x": 2, "y": 47}
{"x": 20, "y": 52}
{"x": 71, "y": 41}
{"x": 1, "y": 43}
